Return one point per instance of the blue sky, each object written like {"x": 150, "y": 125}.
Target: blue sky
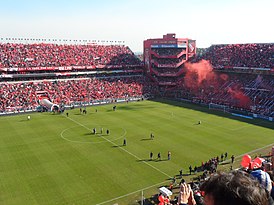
{"x": 133, "y": 21}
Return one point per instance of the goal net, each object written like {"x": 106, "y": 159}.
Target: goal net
{"x": 213, "y": 106}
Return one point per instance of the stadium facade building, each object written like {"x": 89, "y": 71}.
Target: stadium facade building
{"x": 164, "y": 58}
{"x": 240, "y": 78}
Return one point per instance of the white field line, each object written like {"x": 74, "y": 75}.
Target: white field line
{"x": 85, "y": 142}
{"x": 253, "y": 151}
{"x": 122, "y": 149}
{"x": 167, "y": 181}
{"x": 152, "y": 165}
{"x": 119, "y": 197}
{"x": 131, "y": 155}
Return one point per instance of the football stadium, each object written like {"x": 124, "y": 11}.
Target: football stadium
{"x": 86, "y": 123}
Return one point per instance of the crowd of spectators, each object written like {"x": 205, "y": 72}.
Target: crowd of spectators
{"x": 15, "y": 55}
{"x": 254, "y": 93}
{"x": 20, "y": 96}
{"x": 258, "y": 91}
{"x": 250, "y": 184}
{"x": 239, "y": 91}
{"x": 240, "y": 55}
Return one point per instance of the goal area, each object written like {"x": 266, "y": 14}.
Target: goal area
{"x": 213, "y": 106}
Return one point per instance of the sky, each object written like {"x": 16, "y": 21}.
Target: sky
{"x": 133, "y": 21}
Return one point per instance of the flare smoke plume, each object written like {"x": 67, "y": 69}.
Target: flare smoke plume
{"x": 201, "y": 76}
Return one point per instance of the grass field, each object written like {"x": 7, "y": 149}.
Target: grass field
{"x": 54, "y": 159}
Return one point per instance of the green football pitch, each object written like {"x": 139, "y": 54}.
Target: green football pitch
{"x": 55, "y": 159}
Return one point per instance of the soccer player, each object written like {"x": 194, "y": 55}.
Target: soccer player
{"x": 125, "y": 142}
{"x": 151, "y": 155}
{"x": 159, "y": 156}
{"x": 168, "y": 155}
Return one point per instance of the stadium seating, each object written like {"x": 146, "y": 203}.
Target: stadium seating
{"x": 238, "y": 91}
{"x": 257, "y": 91}
{"x": 22, "y": 96}
{"x": 51, "y": 55}
{"x": 240, "y": 55}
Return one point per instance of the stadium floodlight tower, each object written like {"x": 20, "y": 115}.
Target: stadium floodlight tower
{"x": 164, "y": 58}
{"x": 49, "y": 105}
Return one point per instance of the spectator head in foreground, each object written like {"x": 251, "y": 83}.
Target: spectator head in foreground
{"x": 234, "y": 188}
{"x": 263, "y": 178}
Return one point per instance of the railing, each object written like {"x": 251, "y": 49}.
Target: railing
{"x": 60, "y": 41}
{"x": 168, "y": 56}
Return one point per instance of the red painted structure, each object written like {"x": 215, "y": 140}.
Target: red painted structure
{"x": 164, "y": 57}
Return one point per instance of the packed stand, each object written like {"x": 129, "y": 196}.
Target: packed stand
{"x": 250, "y": 92}
{"x": 14, "y": 55}
{"x": 22, "y": 96}
{"x": 240, "y": 55}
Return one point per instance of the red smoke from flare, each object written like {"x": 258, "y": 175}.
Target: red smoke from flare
{"x": 197, "y": 73}
{"x": 200, "y": 75}
{"x": 243, "y": 100}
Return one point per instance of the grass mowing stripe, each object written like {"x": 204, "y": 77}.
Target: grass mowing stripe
{"x": 123, "y": 149}
{"x": 89, "y": 173}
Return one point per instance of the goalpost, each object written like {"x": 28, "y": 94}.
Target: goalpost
{"x": 213, "y": 106}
